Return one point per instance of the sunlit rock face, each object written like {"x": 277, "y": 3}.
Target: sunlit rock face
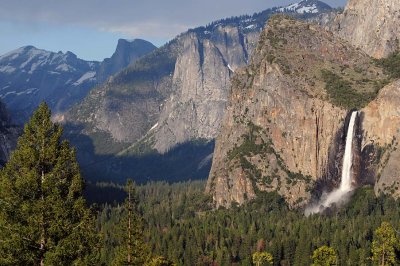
{"x": 282, "y": 130}
{"x": 372, "y": 25}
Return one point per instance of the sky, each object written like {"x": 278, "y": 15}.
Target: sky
{"x": 91, "y": 28}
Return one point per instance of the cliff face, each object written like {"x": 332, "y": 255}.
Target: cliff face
{"x": 201, "y": 80}
{"x": 372, "y": 25}
{"x": 284, "y": 122}
{"x": 381, "y": 134}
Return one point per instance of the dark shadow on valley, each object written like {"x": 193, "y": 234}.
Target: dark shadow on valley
{"x": 187, "y": 161}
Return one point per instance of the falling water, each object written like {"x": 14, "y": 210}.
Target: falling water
{"x": 339, "y": 195}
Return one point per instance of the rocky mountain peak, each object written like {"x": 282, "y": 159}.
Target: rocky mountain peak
{"x": 126, "y": 52}
{"x": 29, "y": 75}
{"x": 306, "y": 7}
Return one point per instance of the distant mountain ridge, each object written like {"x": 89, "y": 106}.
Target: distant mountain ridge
{"x": 29, "y": 76}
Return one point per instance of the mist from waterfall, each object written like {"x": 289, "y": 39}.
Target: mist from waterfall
{"x": 339, "y": 195}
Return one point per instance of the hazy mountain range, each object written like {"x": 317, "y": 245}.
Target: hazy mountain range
{"x": 29, "y": 75}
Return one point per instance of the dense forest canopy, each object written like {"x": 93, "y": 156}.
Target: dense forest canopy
{"x": 180, "y": 224}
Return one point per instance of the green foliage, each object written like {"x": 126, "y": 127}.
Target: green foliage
{"x": 342, "y": 94}
{"x": 131, "y": 249}
{"x": 324, "y": 256}
{"x": 43, "y": 217}
{"x": 253, "y": 144}
{"x": 180, "y": 225}
{"x": 270, "y": 58}
{"x": 160, "y": 261}
{"x": 391, "y": 64}
{"x": 384, "y": 245}
{"x": 249, "y": 145}
{"x": 262, "y": 258}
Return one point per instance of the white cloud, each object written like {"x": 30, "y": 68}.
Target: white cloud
{"x": 138, "y": 18}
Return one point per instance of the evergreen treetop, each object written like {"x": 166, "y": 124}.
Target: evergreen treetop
{"x": 43, "y": 217}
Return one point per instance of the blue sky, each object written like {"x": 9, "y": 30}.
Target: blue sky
{"x": 91, "y": 28}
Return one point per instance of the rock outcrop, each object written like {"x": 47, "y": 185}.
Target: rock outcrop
{"x": 127, "y": 52}
{"x": 381, "y": 134}
{"x": 372, "y": 25}
{"x": 201, "y": 80}
{"x": 286, "y": 113}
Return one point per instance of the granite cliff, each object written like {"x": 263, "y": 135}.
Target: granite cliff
{"x": 372, "y": 25}
{"x": 284, "y": 126}
{"x": 380, "y": 137}
{"x": 127, "y": 52}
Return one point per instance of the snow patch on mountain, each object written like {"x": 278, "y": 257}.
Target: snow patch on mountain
{"x": 65, "y": 68}
{"x": 87, "y": 76}
{"x": 12, "y": 54}
{"x": 27, "y": 91}
{"x": 7, "y": 69}
{"x": 153, "y": 127}
{"x": 303, "y": 7}
{"x": 250, "y": 27}
{"x": 308, "y": 9}
{"x": 35, "y": 54}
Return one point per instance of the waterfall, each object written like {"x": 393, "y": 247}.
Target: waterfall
{"x": 339, "y": 195}
{"x": 345, "y": 184}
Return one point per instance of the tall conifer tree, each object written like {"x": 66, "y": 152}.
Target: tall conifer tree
{"x": 43, "y": 217}
{"x": 131, "y": 250}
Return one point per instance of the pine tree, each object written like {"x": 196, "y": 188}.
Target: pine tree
{"x": 262, "y": 258}
{"x": 131, "y": 249}
{"x": 160, "y": 261}
{"x": 43, "y": 217}
{"x": 383, "y": 245}
{"x": 324, "y": 256}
